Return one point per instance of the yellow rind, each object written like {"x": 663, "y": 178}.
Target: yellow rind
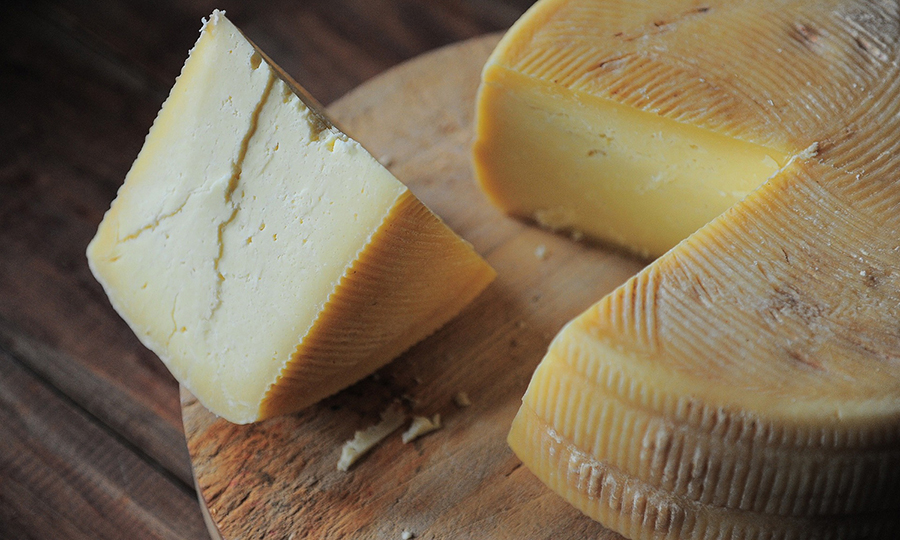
{"x": 660, "y": 58}
{"x": 675, "y": 442}
{"x": 410, "y": 279}
{"x": 640, "y": 511}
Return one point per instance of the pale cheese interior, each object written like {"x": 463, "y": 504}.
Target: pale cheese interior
{"x": 571, "y": 160}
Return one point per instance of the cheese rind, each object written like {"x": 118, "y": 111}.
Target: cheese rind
{"x": 249, "y": 227}
{"x": 414, "y": 275}
{"x": 637, "y": 510}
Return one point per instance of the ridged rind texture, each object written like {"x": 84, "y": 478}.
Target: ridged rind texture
{"x": 747, "y": 383}
{"x": 670, "y": 438}
{"x": 412, "y": 277}
{"x": 737, "y": 68}
{"x": 638, "y": 510}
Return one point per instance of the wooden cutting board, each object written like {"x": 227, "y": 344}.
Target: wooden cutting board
{"x": 277, "y": 479}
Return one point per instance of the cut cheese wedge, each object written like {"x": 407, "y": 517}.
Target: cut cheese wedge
{"x": 746, "y": 384}
{"x": 262, "y": 254}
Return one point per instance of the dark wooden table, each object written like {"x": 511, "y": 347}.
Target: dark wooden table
{"x": 91, "y": 442}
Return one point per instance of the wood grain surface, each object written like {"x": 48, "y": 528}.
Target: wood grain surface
{"x": 91, "y": 442}
{"x": 278, "y": 478}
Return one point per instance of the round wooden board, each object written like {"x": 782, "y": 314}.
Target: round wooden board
{"x": 277, "y": 479}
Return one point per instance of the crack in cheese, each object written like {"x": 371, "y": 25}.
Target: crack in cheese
{"x": 747, "y": 383}
{"x": 262, "y": 254}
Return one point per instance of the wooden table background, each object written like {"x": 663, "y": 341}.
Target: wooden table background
{"x": 91, "y": 442}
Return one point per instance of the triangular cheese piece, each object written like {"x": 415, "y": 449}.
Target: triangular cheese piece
{"x": 262, "y": 254}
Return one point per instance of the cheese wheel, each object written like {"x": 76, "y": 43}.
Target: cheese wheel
{"x": 746, "y": 384}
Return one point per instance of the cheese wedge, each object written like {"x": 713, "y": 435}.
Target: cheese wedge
{"x": 263, "y": 255}
{"x": 745, "y": 385}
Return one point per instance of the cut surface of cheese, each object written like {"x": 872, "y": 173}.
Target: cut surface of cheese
{"x": 747, "y": 383}
{"x": 572, "y": 161}
{"x": 263, "y": 255}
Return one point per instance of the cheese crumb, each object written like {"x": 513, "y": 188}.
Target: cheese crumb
{"x": 363, "y": 441}
{"x": 541, "y": 252}
{"x": 420, "y": 426}
{"x": 462, "y": 399}
{"x": 406, "y": 535}
{"x": 554, "y": 219}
